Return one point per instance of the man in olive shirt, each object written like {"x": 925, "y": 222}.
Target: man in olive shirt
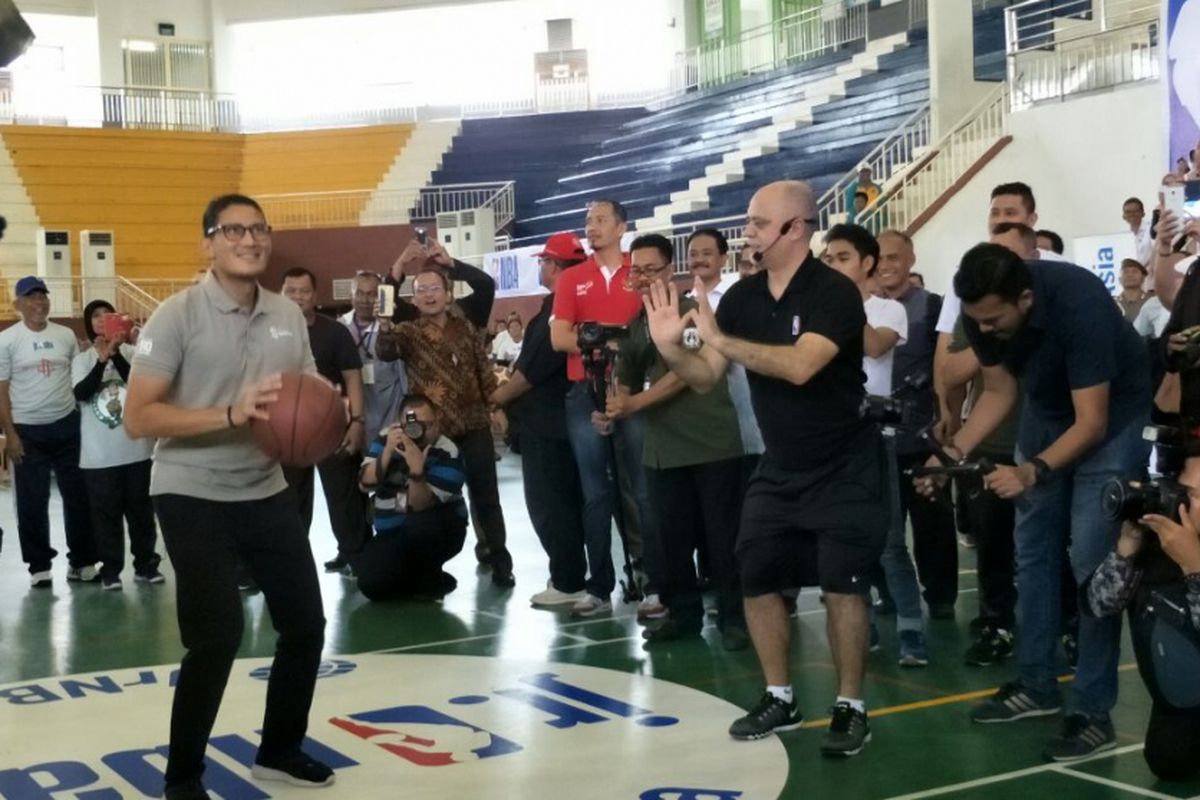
{"x": 207, "y": 363}
{"x": 693, "y": 461}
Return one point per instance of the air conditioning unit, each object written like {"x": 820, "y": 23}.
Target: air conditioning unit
{"x": 98, "y": 266}
{"x": 467, "y": 233}
{"x": 54, "y": 267}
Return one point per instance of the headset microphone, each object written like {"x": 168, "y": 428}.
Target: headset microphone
{"x": 783, "y": 231}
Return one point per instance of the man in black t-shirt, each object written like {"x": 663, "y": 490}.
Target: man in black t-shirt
{"x": 338, "y": 362}
{"x": 815, "y": 511}
{"x": 535, "y": 399}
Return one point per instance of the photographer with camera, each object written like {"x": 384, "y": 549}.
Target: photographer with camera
{"x": 1086, "y": 392}
{"x": 446, "y": 361}
{"x": 423, "y": 253}
{"x": 693, "y": 462}
{"x": 815, "y": 509}
{"x": 1154, "y": 572}
{"x": 416, "y": 476}
{"x": 853, "y": 251}
{"x": 590, "y": 296}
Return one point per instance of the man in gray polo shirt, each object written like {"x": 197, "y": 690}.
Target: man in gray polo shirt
{"x": 206, "y": 364}
{"x": 41, "y": 429}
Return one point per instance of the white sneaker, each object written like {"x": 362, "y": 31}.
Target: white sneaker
{"x": 41, "y": 580}
{"x": 553, "y": 597}
{"x": 83, "y": 574}
{"x": 651, "y": 607}
{"x": 590, "y": 606}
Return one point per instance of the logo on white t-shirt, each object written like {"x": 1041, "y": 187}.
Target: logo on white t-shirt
{"x": 280, "y": 333}
{"x": 109, "y": 404}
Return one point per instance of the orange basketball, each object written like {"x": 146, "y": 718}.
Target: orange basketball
{"x": 307, "y": 422}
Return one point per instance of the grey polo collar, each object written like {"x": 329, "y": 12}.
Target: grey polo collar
{"x": 217, "y": 295}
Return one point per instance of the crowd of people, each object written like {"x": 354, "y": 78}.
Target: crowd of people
{"x": 725, "y": 433}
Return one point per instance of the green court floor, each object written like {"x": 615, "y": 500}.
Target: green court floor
{"x": 923, "y": 745}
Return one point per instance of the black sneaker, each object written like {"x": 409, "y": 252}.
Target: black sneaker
{"x": 1081, "y": 737}
{"x": 849, "y": 731}
{"x": 1013, "y": 702}
{"x": 769, "y": 716}
{"x": 336, "y": 564}
{"x": 671, "y": 631}
{"x": 294, "y": 768}
{"x": 188, "y": 790}
{"x": 994, "y": 644}
{"x": 150, "y": 576}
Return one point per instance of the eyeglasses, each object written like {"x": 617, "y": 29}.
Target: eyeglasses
{"x": 432, "y": 288}
{"x": 647, "y": 273}
{"x": 236, "y": 231}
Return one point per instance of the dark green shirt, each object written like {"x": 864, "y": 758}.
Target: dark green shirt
{"x": 689, "y": 428}
{"x": 1003, "y": 440}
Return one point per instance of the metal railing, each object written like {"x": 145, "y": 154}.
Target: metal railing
{"x": 947, "y": 161}
{"x": 1077, "y": 46}
{"x": 793, "y": 38}
{"x": 386, "y": 207}
{"x": 69, "y": 296}
{"x": 903, "y": 147}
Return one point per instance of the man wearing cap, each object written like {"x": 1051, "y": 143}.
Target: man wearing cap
{"x": 862, "y": 184}
{"x": 41, "y": 427}
{"x": 535, "y": 400}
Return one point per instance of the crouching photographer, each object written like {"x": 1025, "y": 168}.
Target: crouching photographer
{"x": 417, "y": 476}
{"x": 1154, "y": 572}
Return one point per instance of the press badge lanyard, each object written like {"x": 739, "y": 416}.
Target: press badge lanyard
{"x": 364, "y": 339}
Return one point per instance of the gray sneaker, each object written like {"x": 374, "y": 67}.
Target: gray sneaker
{"x": 849, "y": 731}
{"x": 1013, "y": 702}
{"x": 1081, "y": 736}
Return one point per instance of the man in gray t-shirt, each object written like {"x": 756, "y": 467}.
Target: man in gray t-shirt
{"x": 206, "y": 364}
{"x": 41, "y": 429}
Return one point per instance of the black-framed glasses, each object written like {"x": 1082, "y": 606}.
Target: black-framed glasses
{"x": 646, "y": 273}
{"x": 236, "y": 231}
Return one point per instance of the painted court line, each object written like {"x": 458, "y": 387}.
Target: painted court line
{"x": 1009, "y": 776}
{"x": 1124, "y": 787}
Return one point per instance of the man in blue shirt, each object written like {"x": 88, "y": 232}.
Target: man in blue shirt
{"x": 1085, "y": 385}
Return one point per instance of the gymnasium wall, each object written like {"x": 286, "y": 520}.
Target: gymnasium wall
{"x": 150, "y": 187}
{"x": 1082, "y": 158}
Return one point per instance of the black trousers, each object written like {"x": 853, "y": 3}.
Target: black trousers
{"x": 206, "y": 540}
{"x": 52, "y": 447}
{"x": 478, "y": 451}
{"x": 554, "y": 498}
{"x": 120, "y": 495}
{"x": 407, "y": 561}
{"x": 992, "y": 522}
{"x": 699, "y": 502}
{"x": 935, "y": 544}
{"x": 348, "y": 505}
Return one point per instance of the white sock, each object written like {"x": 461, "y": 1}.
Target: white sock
{"x": 784, "y": 693}
{"x": 857, "y": 705}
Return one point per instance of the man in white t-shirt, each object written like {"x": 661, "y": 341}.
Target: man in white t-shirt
{"x": 41, "y": 428}
{"x": 854, "y": 252}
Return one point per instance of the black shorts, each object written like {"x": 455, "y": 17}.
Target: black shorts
{"x": 824, "y": 527}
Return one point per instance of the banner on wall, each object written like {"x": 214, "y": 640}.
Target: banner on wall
{"x": 1182, "y": 71}
{"x": 1103, "y": 255}
{"x": 516, "y": 272}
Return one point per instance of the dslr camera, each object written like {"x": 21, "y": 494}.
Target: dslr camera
{"x": 1132, "y": 500}
{"x": 896, "y": 410}
{"x": 397, "y": 471}
{"x": 593, "y": 335}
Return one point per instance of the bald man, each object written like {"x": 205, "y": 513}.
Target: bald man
{"x": 815, "y": 511}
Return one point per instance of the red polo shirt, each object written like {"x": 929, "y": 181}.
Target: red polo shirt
{"x": 583, "y": 295}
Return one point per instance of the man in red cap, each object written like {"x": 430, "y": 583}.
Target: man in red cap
{"x": 535, "y": 398}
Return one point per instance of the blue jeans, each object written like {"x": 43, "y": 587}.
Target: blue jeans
{"x": 593, "y": 456}
{"x": 1070, "y": 501}
{"x": 898, "y": 568}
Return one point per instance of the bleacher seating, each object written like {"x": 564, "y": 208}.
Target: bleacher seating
{"x": 843, "y": 131}
{"x": 988, "y": 37}
{"x": 535, "y": 151}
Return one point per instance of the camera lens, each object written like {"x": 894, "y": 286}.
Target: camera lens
{"x": 1117, "y": 499}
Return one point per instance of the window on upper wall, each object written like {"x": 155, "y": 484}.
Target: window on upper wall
{"x": 168, "y": 63}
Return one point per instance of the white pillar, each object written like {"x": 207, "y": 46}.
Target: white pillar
{"x": 953, "y": 90}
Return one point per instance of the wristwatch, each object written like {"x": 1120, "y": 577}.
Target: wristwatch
{"x": 1041, "y": 471}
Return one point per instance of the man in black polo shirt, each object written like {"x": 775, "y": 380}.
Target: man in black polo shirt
{"x": 535, "y": 398}
{"x": 1085, "y": 385}
{"x": 815, "y": 511}
{"x": 338, "y": 362}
